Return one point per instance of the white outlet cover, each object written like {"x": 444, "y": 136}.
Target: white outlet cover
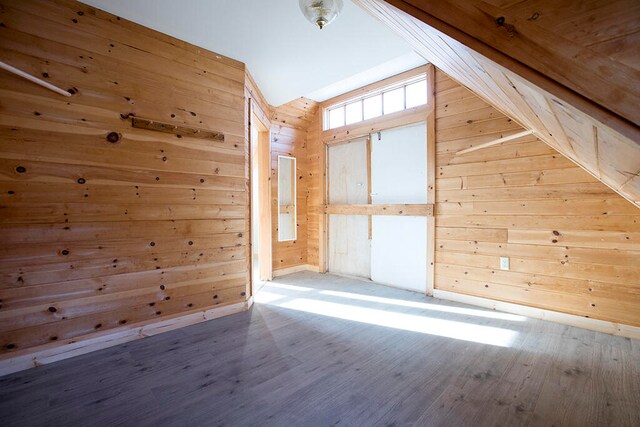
{"x": 504, "y": 263}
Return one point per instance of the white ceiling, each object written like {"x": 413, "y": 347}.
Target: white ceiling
{"x": 287, "y": 56}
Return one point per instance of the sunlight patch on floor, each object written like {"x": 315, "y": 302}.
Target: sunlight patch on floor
{"x": 351, "y": 308}
{"x": 427, "y": 306}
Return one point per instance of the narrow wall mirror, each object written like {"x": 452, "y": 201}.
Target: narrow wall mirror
{"x": 287, "y": 212}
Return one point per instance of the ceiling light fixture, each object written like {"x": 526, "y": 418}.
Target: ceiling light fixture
{"x": 321, "y": 12}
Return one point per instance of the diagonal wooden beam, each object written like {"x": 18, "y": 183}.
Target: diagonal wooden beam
{"x": 495, "y": 142}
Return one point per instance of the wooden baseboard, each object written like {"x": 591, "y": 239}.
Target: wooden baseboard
{"x": 539, "y": 313}
{"x": 49, "y": 353}
{"x": 295, "y": 269}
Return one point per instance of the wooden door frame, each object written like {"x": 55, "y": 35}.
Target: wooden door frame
{"x": 258, "y": 120}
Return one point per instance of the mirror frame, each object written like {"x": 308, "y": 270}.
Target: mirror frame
{"x": 294, "y": 199}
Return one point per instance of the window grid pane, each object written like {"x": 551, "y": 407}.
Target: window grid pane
{"x": 372, "y": 107}
{"x": 417, "y": 94}
{"x": 353, "y": 112}
{"x": 336, "y": 117}
{"x": 393, "y": 100}
{"x": 400, "y": 98}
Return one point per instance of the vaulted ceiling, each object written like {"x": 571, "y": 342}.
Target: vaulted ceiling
{"x": 569, "y": 71}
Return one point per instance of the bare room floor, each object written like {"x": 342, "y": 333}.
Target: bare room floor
{"x": 326, "y": 350}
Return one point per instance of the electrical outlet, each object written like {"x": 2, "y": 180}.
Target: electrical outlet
{"x": 504, "y": 263}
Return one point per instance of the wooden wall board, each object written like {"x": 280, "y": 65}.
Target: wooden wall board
{"x": 106, "y": 227}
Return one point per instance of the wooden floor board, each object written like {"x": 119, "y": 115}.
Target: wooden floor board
{"x": 281, "y": 365}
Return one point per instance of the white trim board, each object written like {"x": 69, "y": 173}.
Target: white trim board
{"x": 539, "y": 313}
{"x": 48, "y": 353}
{"x": 295, "y": 269}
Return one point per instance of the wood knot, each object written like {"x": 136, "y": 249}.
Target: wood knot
{"x": 500, "y": 21}
{"x": 81, "y": 180}
{"x": 113, "y": 137}
{"x": 53, "y": 309}
{"x": 534, "y": 17}
{"x": 21, "y": 169}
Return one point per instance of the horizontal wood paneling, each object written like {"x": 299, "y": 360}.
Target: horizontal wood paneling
{"x": 573, "y": 243}
{"x": 98, "y": 235}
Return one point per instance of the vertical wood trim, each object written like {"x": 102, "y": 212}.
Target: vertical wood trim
{"x": 264, "y": 200}
{"x": 249, "y": 186}
{"x": 323, "y": 218}
{"x": 370, "y": 218}
{"x": 294, "y": 199}
{"x": 431, "y": 177}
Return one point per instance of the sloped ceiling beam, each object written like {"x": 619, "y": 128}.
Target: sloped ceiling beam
{"x": 561, "y": 40}
{"x": 600, "y": 141}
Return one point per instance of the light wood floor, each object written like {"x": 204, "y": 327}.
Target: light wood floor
{"x": 390, "y": 363}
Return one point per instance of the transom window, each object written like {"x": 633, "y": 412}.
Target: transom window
{"x": 401, "y": 96}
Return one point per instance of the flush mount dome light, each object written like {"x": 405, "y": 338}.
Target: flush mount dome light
{"x": 321, "y": 12}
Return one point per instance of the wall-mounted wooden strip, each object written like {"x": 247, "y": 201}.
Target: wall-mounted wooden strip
{"x": 401, "y": 209}
{"x": 495, "y": 142}
{"x": 147, "y": 124}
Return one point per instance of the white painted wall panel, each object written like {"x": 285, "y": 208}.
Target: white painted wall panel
{"x": 399, "y": 251}
{"x": 399, "y": 175}
{"x": 399, "y": 165}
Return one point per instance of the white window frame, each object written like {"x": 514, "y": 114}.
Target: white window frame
{"x": 403, "y": 84}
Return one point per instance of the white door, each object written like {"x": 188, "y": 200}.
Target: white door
{"x": 349, "y": 245}
{"x": 398, "y": 176}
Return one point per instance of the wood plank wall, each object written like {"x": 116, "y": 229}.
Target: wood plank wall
{"x": 574, "y": 244}
{"x": 289, "y": 125}
{"x": 98, "y": 237}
